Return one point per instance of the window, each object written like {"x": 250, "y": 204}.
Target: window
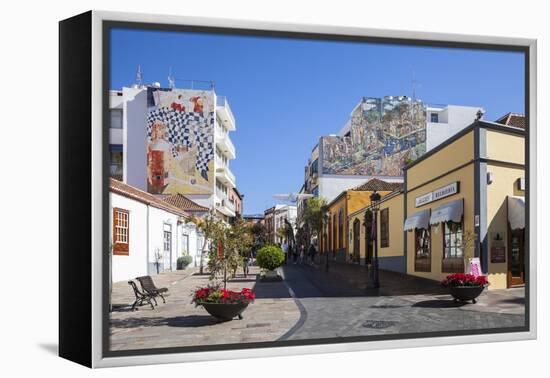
{"x": 341, "y": 229}
{"x": 453, "y": 256}
{"x": 167, "y": 239}
{"x": 116, "y": 118}
{"x": 334, "y": 234}
{"x": 115, "y": 161}
{"x": 121, "y": 231}
{"x": 385, "y": 228}
{"x": 423, "y": 255}
{"x": 434, "y": 117}
{"x": 185, "y": 244}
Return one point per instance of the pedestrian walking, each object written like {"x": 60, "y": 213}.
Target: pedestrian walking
{"x": 312, "y": 251}
{"x": 302, "y": 252}
{"x": 285, "y": 251}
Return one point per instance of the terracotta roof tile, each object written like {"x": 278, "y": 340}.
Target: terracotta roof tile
{"x": 512, "y": 119}
{"x": 378, "y": 185}
{"x": 131, "y": 192}
{"x": 184, "y": 203}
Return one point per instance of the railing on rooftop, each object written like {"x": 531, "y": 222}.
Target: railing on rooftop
{"x": 221, "y": 101}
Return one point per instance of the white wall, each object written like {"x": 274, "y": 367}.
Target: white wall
{"x": 135, "y": 264}
{"x": 453, "y": 119}
{"x": 157, "y": 219}
{"x": 134, "y": 137}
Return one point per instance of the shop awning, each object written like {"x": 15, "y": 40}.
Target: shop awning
{"x": 419, "y": 220}
{"x": 450, "y": 212}
{"x": 516, "y": 212}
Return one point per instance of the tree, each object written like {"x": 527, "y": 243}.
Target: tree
{"x": 313, "y": 215}
{"x": 230, "y": 243}
{"x": 468, "y": 245}
{"x": 207, "y": 227}
{"x": 259, "y": 233}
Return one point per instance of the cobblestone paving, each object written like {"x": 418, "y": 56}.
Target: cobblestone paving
{"x": 308, "y": 304}
{"x": 179, "y": 323}
{"x": 351, "y": 313}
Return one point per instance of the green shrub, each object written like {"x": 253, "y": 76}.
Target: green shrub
{"x": 184, "y": 261}
{"x": 270, "y": 257}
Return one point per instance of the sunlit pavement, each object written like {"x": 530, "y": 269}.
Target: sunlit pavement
{"x": 308, "y": 304}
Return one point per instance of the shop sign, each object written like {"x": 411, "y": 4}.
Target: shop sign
{"x": 474, "y": 267}
{"x": 446, "y": 191}
{"x": 498, "y": 254}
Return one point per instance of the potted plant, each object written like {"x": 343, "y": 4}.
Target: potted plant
{"x": 223, "y": 304}
{"x": 184, "y": 261}
{"x": 465, "y": 287}
{"x": 269, "y": 258}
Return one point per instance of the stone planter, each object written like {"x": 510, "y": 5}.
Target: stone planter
{"x": 271, "y": 276}
{"x": 225, "y": 311}
{"x": 466, "y": 293}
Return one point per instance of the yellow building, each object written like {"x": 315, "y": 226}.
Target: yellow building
{"x": 337, "y": 230}
{"x": 469, "y": 188}
{"x": 390, "y": 235}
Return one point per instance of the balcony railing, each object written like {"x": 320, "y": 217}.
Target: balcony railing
{"x": 225, "y": 112}
{"x": 225, "y": 142}
{"x": 225, "y": 174}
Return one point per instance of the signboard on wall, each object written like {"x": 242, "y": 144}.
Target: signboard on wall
{"x": 445, "y": 191}
{"x": 498, "y": 254}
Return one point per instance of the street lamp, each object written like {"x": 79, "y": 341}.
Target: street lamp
{"x": 375, "y": 205}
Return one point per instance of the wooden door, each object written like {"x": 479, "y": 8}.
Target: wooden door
{"x": 516, "y": 257}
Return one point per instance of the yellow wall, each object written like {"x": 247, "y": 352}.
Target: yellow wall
{"x": 350, "y": 202}
{"x": 395, "y": 206}
{"x": 395, "y": 248}
{"x": 466, "y": 178}
{"x": 333, "y": 210}
{"x": 452, "y": 156}
{"x": 505, "y": 147}
{"x": 504, "y": 184}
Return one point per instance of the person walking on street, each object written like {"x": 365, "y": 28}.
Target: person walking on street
{"x": 285, "y": 251}
{"x": 312, "y": 251}
{"x": 302, "y": 252}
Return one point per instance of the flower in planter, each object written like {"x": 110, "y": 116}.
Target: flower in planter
{"x": 213, "y": 294}
{"x": 462, "y": 279}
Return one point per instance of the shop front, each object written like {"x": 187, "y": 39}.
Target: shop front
{"x": 464, "y": 203}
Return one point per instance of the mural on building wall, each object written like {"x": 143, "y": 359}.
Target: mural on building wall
{"x": 384, "y": 135}
{"x": 180, "y": 141}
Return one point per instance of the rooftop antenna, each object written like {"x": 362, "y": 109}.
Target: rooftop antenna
{"x": 139, "y": 75}
{"x": 171, "y": 80}
{"x": 414, "y": 83}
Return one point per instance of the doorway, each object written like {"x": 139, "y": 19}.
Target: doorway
{"x": 167, "y": 253}
{"x": 356, "y": 240}
{"x": 516, "y": 257}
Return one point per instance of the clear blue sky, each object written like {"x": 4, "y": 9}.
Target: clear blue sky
{"x": 285, "y": 93}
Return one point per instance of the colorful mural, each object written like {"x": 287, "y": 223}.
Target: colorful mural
{"x": 384, "y": 134}
{"x": 180, "y": 141}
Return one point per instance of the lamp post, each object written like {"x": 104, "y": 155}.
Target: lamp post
{"x": 375, "y": 205}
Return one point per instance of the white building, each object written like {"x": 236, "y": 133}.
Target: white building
{"x": 445, "y": 121}
{"x": 440, "y": 123}
{"x": 282, "y": 214}
{"x": 168, "y": 141}
{"x": 147, "y": 234}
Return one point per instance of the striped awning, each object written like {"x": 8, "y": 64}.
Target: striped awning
{"x": 419, "y": 220}
{"x": 449, "y": 212}
{"x": 516, "y": 212}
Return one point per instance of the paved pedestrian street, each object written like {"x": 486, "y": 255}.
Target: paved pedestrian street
{"x": 308, "y": 304}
